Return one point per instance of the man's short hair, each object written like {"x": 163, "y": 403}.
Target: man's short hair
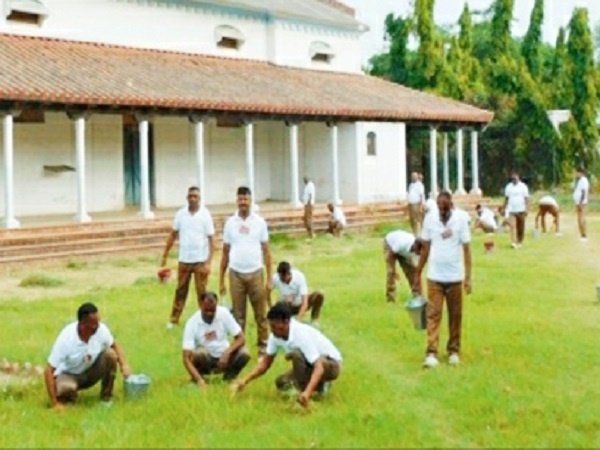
{"x": 581, "y": 169}
{"x": 280, "y": 311}
{"x": 445, "y": 194}
{"x": 209, "y": 296}
{"x": 243, "y": 190}
{"x": 193, "y": 189}
{"x": 284, "y": 268}
{"x": 86, "y": 310}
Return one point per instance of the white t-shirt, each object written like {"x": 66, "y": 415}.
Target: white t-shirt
{"x": 416, "y": 193}
{"x": 516, "y": 194}
{"x": 297, "y": 287}
{"x": 446, "y": 247}
{"x": 548, "y": 200}
{"x": 338, "y": 215}
{"x": 430, "y": 206}
{"x": 71, "y": 355}
{"x": 488, "y": 217}
{"x": 212, "y": 337}
{"x": 309, "y": 192}
{"x": 245, "y": 237}
{"x": 194, "y": 230}
{"x": 582, "y": 185}
{"x": 308, "y": 340}
{"x": 400, "y": 242}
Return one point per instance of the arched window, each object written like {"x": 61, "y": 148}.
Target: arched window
{"x": 371, "y": 144}
{"x": 227, "y": 36}
{"x": 321, "y": 52}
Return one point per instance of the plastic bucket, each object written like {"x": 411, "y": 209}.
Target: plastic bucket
{"x": 417, "y": 312}
{"x": 136, "y": 386}
{"x": 598, "y": 292}
{"x": 535, "y": 233}
{"x": 488, "y": 246}
{"x": 164, "y": 275}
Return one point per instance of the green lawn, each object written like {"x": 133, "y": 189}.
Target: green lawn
{"x": 527, "y": 378}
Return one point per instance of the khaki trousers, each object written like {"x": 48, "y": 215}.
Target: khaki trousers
{"x": 207, "y": 364}
{"x": 104, "y": 368}
{"x": 302, "y": 370}
{"x": 308, "y": 219}
{"x": 250, "y": 286}
{"x": 315, "y": 303}
{"x": 335, "y": 227}
{"x": 415, "y": 217}
{"x": 390, "y": 262}
{"x": 438, "y": 292}
{"x": 184, "y": 275}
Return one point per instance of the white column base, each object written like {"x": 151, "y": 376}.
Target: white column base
{"x": 296, "y": 204}
{"x": 460, "y": 192}
{"x": 338, "y": 202}
{"x": 476, "y": 192}
{"x": 146, "y": 214}
{"x": 11, "y": 223}
{"x": 83, "y": 218}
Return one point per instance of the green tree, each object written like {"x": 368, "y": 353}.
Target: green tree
{"x": 531, "y": 48}
{"x": 560, "y": 81}
{"x": 430, "y": 54}
{"x": 502, "y": 11}
{"x": 397, "y": 32}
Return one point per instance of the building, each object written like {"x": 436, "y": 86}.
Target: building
{"x": 107, "y": 104}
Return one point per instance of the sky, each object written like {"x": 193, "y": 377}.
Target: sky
{"x": 557, "y": 13}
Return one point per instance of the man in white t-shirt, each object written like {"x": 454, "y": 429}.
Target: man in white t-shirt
{"x": 315, "y": 360}
{"x": 337, "y": 221}
{"x": 403, "y": 247}
{"x": 308, "y": 199}
{"x": 245, "y": 252}
{"x": 194, "y": 227}
{"x": 292, "y": 288}
{"x": 580, "y": 197}
{"x": 517, "y": 201}
{"x": 206, "y": 347}
{"x": 84, "y": 353}
{"x": 446, "y": 243}
{"x": 486, "y": 219}
{"x": 416, "y": 202}
{"x": 548, "y": 205}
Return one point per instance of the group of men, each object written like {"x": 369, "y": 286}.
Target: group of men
{"x": 337, "y": 219}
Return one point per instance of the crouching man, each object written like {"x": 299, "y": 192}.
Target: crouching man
{"x": 315, "y": 360}
{"x": 206, "y": 347}
{"x": 84, "y": 353}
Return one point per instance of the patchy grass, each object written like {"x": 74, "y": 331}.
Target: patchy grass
{"x": 41, "y": 280}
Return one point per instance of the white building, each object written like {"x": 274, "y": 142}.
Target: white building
{"x": 111, "y": 103}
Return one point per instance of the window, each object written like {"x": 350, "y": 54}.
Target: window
{"x": 321, "y": 52}
{"x": 371, "y": 144}
{"x": 29, "y": 12}
{"x": 230, "y": 37}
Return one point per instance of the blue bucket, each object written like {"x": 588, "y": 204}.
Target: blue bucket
{"x": 136, "y": 385}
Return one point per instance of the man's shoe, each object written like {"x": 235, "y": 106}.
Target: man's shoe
{"x": 453, "y": 359}
{"x": 430, "y": 361}
{"x": 170, "y": 325}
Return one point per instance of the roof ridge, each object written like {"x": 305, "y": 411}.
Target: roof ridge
{"x": 339, "y": 6}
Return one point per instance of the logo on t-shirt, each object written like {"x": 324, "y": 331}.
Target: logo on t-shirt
{"x": 210, "y": 335}
{"x": 447, "y": 233}
{"x": 244, "y": 229}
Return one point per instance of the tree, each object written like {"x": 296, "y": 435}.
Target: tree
{"x": 531, "y": 48}
{"x": 500, "y": 27}
{"x": 430, "y": 54}
{"x": 560, "y": 80}
{"x": 397, "y": 31}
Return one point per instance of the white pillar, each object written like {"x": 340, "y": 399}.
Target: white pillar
{"x": 446, "y": 164}
{"x": 294, "y": 176}
{"x": 250, "y": 157}
{"x": 82, "y": 215}
{"x": 334, "y": 163}
{"x": 9, "y": 212}
{"x": 199, "y": 142}
{"x": 460, "y": 187}
{"x": 475, "y": 164}
{"x": 145, "y": 211}
{"x": 433, "y": 162}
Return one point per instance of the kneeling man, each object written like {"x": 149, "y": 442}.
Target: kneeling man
{"x": 84, "y": 353}
{"x": 206, "y": 347}
{"x": 315, "y": 360}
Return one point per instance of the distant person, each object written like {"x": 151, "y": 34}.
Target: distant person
{"x": 308, "y": 199}
{"x": 403, "y": 247}
{"x": 416, "y": 202}
{"x": 245, "y": 252}
{"x": 446, "y": 250}
{"x": 194, "y": 227}
{"x": 517, "y": 200}
{"x": 206, "y": 347}
{"x": 292, "y": 288}
{"x": 486, "y": 219}
{"x": 548, "y": 205}
{"x": 315, "y": 360}
{"x": 84, "y": 354}
{"x": 337, "y": 221}
{"x": 580, "y": 197}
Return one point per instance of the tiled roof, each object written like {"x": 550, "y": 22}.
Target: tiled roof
{"x": 59, "y": 72}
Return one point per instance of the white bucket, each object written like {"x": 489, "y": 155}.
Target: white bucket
{"x": 535, "y": 233}
{"x": 598, "y": 292}
{"x": 417, "y": 311}
{"x": 136, "y": 385}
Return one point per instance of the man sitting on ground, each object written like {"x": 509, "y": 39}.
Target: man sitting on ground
{"x": 84, "y": 353}
{"x": 547, "y": 205}
{"x": 315, "y": 360}
{"x": 293, "y": 289}
{"x": 206, "y": 348}
{"x": 486, "y": 219}
{"x": 337, "y": 222}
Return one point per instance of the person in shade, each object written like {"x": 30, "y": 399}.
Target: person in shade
{"x": 316, "y": 362}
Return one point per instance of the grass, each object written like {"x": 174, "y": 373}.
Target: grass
{"x": 41, "y": 280}
{"x": 528, "y": 376}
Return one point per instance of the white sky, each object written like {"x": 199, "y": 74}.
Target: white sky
{"x": 557, "y": 14}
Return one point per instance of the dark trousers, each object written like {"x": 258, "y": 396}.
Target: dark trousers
{"x": 517, "y": 227}
{"x": 184, "y": 275}
{"x": 104, "y": 369}
{"x": 207, "y": 364}
{"x": 302, "y": 370}
{"x": 315, "y": 303}
{"x": 250, "y": 286}
{"x": 438, "y": 292}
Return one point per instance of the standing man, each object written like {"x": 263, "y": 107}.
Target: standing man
{"x": 337, "y": 221}
{"x": 206, "y": 347}
{"x": 293, "y": 289}
{"x": 308, "y": 198}
{"x": 84, "y": 353}
{"x": 548, "y": 205}
{"x": 403, "y": 247}
{"x": 517, "y": 200}
{"x": 416, "y": 202}
{"x": 245, "y": 252}
{"x": 315, "y": 360}
{"x": 580, "y": 197}
{"x": 446, "y": 243}
{"x": 194, "y": 226}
